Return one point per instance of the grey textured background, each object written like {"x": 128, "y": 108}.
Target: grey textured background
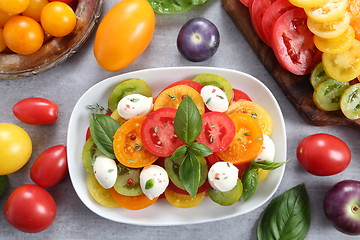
{"x": 65, "y": 83}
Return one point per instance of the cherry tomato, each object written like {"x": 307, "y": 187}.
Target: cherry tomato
{"x": 50, "y": 167}
{"x": 58, "y": 19}
{"x": 30, "y": 208}
{"x": 132, "y": 203}
{"x": 14, "y": 6}
{"x": 293, "y": 44}
{"x": 35, "y": 8}
{"x": 2, "y": 44}
{"x": 4, "y": 17}
{"x": 23, "y": 35}
{"x": 158, "y": 134}
{"x": 64, "y": 1}
{"x": 323, "y": 154}
{"x": 129, "y": 22}
{"x": 16, "y": 148}
{"x": 35, "y": 110}
{"x": 218, "y": 131}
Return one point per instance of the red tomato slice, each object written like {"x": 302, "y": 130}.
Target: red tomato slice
{"x": 272, "y": 13}
{"x": 217, "y": 132}
{"x": 293, "y": 44}
{"x": 158, "y": 134}
{"x": 240, "y": 95}
{"x": 195, "y": 85}
{"x": 257, "y": 12}
{"x": 212, "y": 159}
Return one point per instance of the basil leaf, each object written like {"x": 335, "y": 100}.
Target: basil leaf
{"x": 189, "y": 174}
{"x": 268, "y": 165}
{"x": 173, "y": 6}
{"x": 187, "y": 121}
{"x": 250, "y": 182}
{"x": 102, "y": 129}
{"x": 199, "y": 149}
{"x": 287, "y": 217}
{"x": 179, "y": 152}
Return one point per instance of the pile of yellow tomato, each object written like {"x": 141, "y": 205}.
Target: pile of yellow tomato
{"x": 24, "y": 24}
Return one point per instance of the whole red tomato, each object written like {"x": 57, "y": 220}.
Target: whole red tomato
{"x": 30, "y": 208}
{"x": 50, "y": 167}
{"x": 323, "y": 154}
{"x": 36, "y": 110}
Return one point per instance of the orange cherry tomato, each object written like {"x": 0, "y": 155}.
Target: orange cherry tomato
{"x": 172, "y": 97}
{"x": 124, "y": 34}
{"x": 58, "y": 19}
{"x": 2, "y": 44}
{"x": 132, "y": 203}
{"x": 14, "y": 6}
{"x": 35, "y": 8}
{"x": 247, "y": 142}
{"x": 23, "y": 35}
{"x": 128, "y": 146}
{"x": 4, "y": 17}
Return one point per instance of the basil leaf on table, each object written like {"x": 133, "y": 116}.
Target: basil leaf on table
{"x": 102, "y": 129}
{"x": 199, "y": 149}
{"x": 250, "y": 182}
{"x": 173, "y": 6}
{"x": 287, "y": 217}
{"x": 189, "y": 174}
{"x": 187, "y": 121}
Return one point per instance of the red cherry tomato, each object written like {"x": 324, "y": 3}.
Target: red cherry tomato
{"x": 35, "y": 110}
{"x": 30, "y": 208}
{"x": 323, "y": 154}
{"x": 50, "y": 167}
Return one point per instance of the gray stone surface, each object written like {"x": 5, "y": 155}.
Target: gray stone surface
{"x": 65, "y": 83}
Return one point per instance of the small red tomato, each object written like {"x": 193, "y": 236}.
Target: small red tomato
{"x": 323, "y": 154}
{"x": 36, "y": 110}
{"x": 50, "y": 167}
{"x": 30, "y": 209}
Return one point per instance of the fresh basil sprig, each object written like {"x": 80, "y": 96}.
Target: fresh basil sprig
{"x": 287, "y": 217}
{"x": 187, "y": 126}
{"x": 102, "y": 129}
{"x": 250, "y": 175}
{"x": 173, "y": 6}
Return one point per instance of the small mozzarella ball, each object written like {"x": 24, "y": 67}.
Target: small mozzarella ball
{"x": 105, "y": 171}
{"x": 268, "y": 150}
{"x": 153, "y": 181}
{"x": 134, "y": 106}
{"x": 223, "y": 176}
{"x": 214, "y": 98}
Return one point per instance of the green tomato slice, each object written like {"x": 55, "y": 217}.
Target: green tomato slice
{"x": 318, "y": 75}
{"x": 350, "y": 102}
{"x": 327, "y": 94}
{"x": 127, "y": 87}
{"x": 127, "y": 187}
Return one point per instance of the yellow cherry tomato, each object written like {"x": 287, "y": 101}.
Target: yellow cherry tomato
{"x": 183, "y": 201}
{"x": 101, "y": 195}
{"x": 16, "y": 148}
{"x": 336, "y": 45}
{"x": 308, "y": 3}
{"x": 124, "y": 34}
{"x": 23, "y": 35}
{"x": 332, "y": 10}
{"x": 2, "y": 44}
{"x": 4, "y": 17}
{"x": 14, "y": 6}
{"x": 58, "y": 19}
{"x": 35, "y": 8}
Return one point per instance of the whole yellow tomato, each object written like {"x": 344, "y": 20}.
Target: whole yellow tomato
{"x": 124, "y": 34}
{"x": 15, "y": 148}
{"x": 14, "y": 6}
{"x": 2, "y": 44}
{"x": 35, "y": 8}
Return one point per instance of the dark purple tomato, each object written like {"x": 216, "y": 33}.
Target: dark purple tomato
{"x": 342, "y": 206}
{"x": 198, "y": 39}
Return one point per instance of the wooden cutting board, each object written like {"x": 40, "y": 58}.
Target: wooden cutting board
{"x": 296, "y": 88}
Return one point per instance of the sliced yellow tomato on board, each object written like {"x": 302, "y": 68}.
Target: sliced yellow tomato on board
{"x": 336, "y": 45}
{"x": 330, "y": 29}
{"x": 254, "y": 110}
{"x": 350, "y": 102}
{"x": 308, "y": 3}
{"x": 183, "y": 201}
{"x": 344, "y": 66}
{"x": 332, "y": 10}
{"x": 100, "y": 194}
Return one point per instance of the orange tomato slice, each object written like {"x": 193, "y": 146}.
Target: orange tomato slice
{"x": 183, "y": 201}
{"x": 128, "y": 146}
{"x": 132, "y": 203}
{"x": 172, "y": 97}
{"x": 247, "y": 142}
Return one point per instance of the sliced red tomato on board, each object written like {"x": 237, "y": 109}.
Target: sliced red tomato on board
{"x": 293, "y": 44}
{"x": 272, "y": 13}
{"x": 240, "y": 95}
{"x": 195, "y": 85}
{"x": 158, "y": 134}
{"x": 258, "y": 9}
{"x": 218, "y": 131}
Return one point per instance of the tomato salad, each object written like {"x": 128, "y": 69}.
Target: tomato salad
{"x": 195, "y": 138}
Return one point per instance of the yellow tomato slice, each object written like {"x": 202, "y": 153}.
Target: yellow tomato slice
{"x": 173, "y": 96}
{"x": 183, "y": 201}
{"x": 308, "y": 3}
{"x": 100, "y": 194}
{"x": 254, "y": 110}
{"x": 115, "y": 115}
{"x": 336, "y": 45}
{"x": 344, "y": 66}
{"x": 263, "y": 174}
{"x": 330, "y": 29}
{"x": 332, "y": 10}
